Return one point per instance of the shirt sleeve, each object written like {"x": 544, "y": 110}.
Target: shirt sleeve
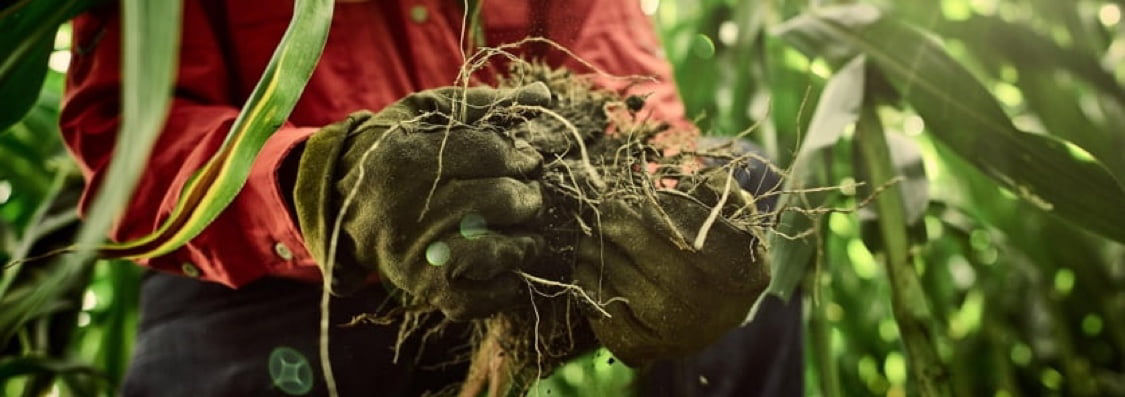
{"x": 255, "y": 235}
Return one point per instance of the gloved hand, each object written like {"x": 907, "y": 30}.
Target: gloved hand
{"x": 676, "y": 301}
{"x": 388, "y": 161}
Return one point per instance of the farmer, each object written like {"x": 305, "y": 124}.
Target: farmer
{"x": 236, "y": 311}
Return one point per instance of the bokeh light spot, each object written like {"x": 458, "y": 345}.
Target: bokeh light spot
{"x": 5, "y": 191}
{"x": 821, "y": 69}
{"x": 840, "y": 224}
{"x": 473, "y": 225}
{"x": 966, "y": 320}
{"x": 934, "y": 227}
{"x": 290, "y": 371}
{"x": 980, "y": 239}
{"x": 89, "y": 300}
{"x": 59, "y": 61}
{"x": 895, "y": 368}
{"x": 913, "y": 125}
{"x": 834, "y": 312}
{"x": 847, "y": 188}
{"x": 728, "y": 33}
{"x": 437, "y": 253}
{"x": 956, "y": 10}
{"x": 862, "y": 261}
{"x": 961, "y": 271}
{"x": 703, "y": 47}
{"x": 1109, "y": 15}
{"x": 1092, "y": 324}
{"x": 1020, "y": 354}
{"x": 888, "y": 330}
{"x": 1051, "y": 378}
{"x": 1008, "y": 94}
{"x": 1064, "y": 281}
{"x": 63, "y": 36}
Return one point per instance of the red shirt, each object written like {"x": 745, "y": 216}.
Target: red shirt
{"x": 377, "y": 52}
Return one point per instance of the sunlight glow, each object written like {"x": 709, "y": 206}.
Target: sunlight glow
{"x": 895, "y": 367}
{"x": 5, "y": 191}
{"x": 913, "y": 125}
{"x": 89, "y": 300}
{"x": 984, "y": 7}
{"x": 862, "y": 261}
{"x": 728, "y": 33}
{"x": 955, "y": 10}
{"x": 1109, "y": 15}
{"x": 59, "y": 61}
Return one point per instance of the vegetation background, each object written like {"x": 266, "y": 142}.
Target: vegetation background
{"x": 990, "y": 263}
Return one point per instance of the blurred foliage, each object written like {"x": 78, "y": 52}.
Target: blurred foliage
{"x": 81, "y": 341}
{"x": 1012, "y": 299}
{"x": 1020, "y": 301}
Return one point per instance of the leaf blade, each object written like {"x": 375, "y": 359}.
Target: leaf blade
{"x": 1055, "y": 175}
{"x": 149, "y": 30}
{"x": 838, "y": 107}
{"x": 220, "y": 180}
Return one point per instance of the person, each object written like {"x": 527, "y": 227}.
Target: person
{"x": 235, "y": 311}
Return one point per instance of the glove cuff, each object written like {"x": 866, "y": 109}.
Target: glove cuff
{"x": 314, "y": 193}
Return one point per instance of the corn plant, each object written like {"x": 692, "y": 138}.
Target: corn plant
{"x": 958, "y": 232}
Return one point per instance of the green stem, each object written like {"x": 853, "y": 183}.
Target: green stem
{"x": 820, "y": 339}
{"x": 908, "y": 302}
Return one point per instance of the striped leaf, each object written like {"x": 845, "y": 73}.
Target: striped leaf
{"x": 150, "y": 36}
{"x": 216, "y": 185}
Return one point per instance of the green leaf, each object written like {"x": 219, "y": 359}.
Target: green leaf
{"x": 150, "y": 35}
{"x": 912, "y": 186}
{"x": 29, "y": 36}
{"x": 1056, "y": 102}
{"x": 21, "y": 83}
{"x": 120, "y": 320}
{"x": 838, "y": 108}
{"x": 27, "y": 365}
{"x": 1056, "y": 176}
{"x": 994, "y": 37}
{"x": 216, "y": 185}
{"x": 39, "y": 227}
{"x": 908, "y": 299}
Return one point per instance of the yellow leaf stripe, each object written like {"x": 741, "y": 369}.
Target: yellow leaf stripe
{"x": 219, "y": 181}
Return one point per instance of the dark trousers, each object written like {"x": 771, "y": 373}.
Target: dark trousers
{"x": 203, "y": 339}
{"x": 764, "y": 358}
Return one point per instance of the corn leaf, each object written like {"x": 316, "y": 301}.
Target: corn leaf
{"x": 1056, "y": 176}
{"x": 837, "y": 109}
{"x": 26, "y": 365}
{"x": 216, "y": 185}
{"x": 28, "y": 39}
{"x": 990, "y": 36}
{"x": 912, "y": 186}
{"x": 150, "y": 35}
{"x": 1057, "y": 102}
{"x": 909, "y": 303}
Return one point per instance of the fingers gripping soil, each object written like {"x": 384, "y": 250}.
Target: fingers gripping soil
{"x": 499, "y": 201}
{"x": 479, "y": 280}
{"x": 408, "y": 154}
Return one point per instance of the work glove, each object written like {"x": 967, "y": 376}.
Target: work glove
{"x": 665, "y": 298}
{"x": 436, "y": 242}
